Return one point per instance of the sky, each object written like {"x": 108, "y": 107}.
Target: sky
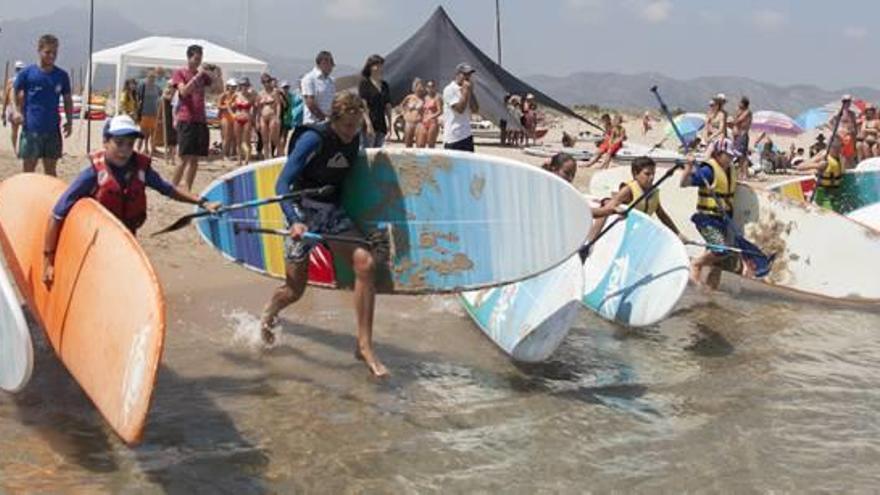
{"x": 780, "y": 41}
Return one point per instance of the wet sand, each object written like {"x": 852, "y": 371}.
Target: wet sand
{"x": 740, "y": 391}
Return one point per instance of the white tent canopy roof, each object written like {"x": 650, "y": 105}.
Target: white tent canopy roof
{"x": 161, "y": 51}
{"x": 171, "y": 52}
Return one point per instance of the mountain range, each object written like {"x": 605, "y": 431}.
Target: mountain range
{"x": 607, "y": 90}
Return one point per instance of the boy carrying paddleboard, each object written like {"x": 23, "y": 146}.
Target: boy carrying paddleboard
{"x": 117, "y": 177}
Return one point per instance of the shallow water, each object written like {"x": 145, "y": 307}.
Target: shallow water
{"x": 747, "y": 393}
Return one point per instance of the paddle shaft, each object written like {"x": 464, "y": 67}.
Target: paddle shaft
{"x": 724, "y": 247}
{"x": 308, "y": 235}
{"x": 585, "y": 249}
{"x": 186, "y": 219}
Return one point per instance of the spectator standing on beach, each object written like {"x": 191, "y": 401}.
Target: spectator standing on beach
{"x": 148, "y": 109}
{"x": 319, "y": 89}
{"x": 431, "y": 116}
{"x": 646, "y": 123}
{"x": 459, "y": 101}
{"x": 413, "y": 106}
{"x": 716, "y": 119}
{"x": 742, "y": 124}
{"x": 529, "y": 119}
{"x": 514, "y": 108}
{"x": 269, "y": 107}
{"x": 37, "y": 88}
{"x": 846, "y": 132}
{"x": 243, "y": 110}
{"x": 868, "y": 134}
{"x": 377, "y": 100}
{"x": 286, "y": 114}
{"x": 9, "y": 107}
{"x": 128, "y": 99}
{"x": 192, "y": 127}
{"x": 166, "y": 121}
{"x": 227, "y": 119}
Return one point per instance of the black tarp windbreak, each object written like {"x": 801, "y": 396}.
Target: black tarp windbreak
{"x": 436, "y": 49}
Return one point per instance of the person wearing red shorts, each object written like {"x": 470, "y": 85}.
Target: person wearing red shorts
{"x": 615, "y": 135}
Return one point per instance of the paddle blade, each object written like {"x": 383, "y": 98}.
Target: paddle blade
{"x": 761, "y": 263}
{"x": 179, "y": 224}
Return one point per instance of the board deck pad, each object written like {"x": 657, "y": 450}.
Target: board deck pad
{"x": 457, "y": 221}
{"x": 104, "y": 314}
{"x": 16, "y": 347}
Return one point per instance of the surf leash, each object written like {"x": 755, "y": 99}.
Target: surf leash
{"x": 752, "y": 253}
{"x": 584, "y": 251}
{"x": 186, "y": 219}
{"x": 377, "y": 241}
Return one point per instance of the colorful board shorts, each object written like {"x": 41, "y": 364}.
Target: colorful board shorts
{"x": 607, "y": 147}
{"x": 34, "y": 145}
{"x": 714, "y": 231}
{"x": 321, "y": 218}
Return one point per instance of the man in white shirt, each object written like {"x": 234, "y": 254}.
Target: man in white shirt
{"x": 318, "y": 89}
{"x": 459, "y": 101}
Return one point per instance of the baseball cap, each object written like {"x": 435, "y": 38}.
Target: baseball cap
{"x": 464, "y": 68}
{"x": 122, "y": 125}
{"x": 284, "y": 84}
{"x": 846, "y": 98}
{"x": 243, "y": 81}
{"x": 720, "y": 97}
{"x": 231, "y": 82}
{"x": 725, "y": 145}
{"x": 19, "y": 64}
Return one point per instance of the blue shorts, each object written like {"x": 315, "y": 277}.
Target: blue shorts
{"x": 34, "y": 145}
{"x": 321, "y": 218}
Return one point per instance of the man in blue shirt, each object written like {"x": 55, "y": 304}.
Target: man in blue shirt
{"x": 37, "y": 89}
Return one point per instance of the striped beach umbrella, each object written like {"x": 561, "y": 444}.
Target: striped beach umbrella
{"x": 775, "y": 123}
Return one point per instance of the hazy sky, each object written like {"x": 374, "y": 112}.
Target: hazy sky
{"x": 782, "y": 41}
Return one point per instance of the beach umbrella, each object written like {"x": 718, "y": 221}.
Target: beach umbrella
{"x": 689, "y": 124}
{"x": 814, "y": 117}
{"x": 775, "y": 123}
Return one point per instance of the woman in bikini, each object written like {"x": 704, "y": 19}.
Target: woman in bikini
{"x": 869, "y": 132}
{"x": 227, "y": 119}
{"x": 413, "y": 112}
{"x": 269, "y": 114}
{"x": 243, "y": 108}
{"x": 716, "y": 120}
{"x": 431, "y": 117}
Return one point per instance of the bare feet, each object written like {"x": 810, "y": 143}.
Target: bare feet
{"x": 266, "y": 325}
{"x": 375, "y": 366}
{"x": 695, "y": 276}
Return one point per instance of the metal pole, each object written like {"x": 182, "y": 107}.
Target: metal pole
{"x": 247, "y": 13}
{"x": 498, "y": 27}
{"x": 87, "y": 104}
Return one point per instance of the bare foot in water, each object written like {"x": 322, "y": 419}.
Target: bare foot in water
{"x": 266, "y": 325}
{"x": 376, "y": 367}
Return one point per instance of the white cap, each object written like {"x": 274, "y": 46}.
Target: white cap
{"x": 122, "y": 125}
{"x": 721, "y": 97}
{"x": 846, "y": 98}
{"x": 19, "y": 64}
{"x": 231, "y": 82}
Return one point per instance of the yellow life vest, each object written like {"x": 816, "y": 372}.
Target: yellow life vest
{"x": 723, "y": 187}
{"x": 649, "y": 205}
{"x": 832, "y": 176}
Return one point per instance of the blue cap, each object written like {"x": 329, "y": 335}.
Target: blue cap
{"x": 122, "y": 125}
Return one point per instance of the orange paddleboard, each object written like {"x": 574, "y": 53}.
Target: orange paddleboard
{"x": 105, "y": 313}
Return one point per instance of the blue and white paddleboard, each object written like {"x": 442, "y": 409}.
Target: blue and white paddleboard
{"x": 636, "y": 273}
{"x": 528, "y": 320}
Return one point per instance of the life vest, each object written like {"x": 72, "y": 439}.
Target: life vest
{"x": 722, "y": 189}
{"x": 832, "y": 176}
{"x": 330, "y": 165}
{"x": 129, "y": 203}
{"x": 648, "y": 205}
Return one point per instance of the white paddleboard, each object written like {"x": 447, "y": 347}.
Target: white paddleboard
{"x": 16, "y": 348}
{"x": 636, "y": 273}
{"x": 549, "y": 151}
{"x": 529, "y": 319}
{"x": 869, "y": 164}
{"x": 631, "y": 151}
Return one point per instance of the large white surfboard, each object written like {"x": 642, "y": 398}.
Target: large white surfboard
{"x": 16, "y": 349}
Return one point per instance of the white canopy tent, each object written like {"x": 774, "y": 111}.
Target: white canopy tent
{"x": 156, "y": 51}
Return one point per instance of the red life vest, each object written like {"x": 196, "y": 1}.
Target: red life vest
{"x": 128, "y": 204}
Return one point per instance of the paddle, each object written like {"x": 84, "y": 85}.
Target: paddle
{"x": 584, "y": 251}
{"x": 377, "y": 241}
{"x": 828, "y": 151}
{"x": 761, "y": 262}
{"x": 752, "y": 253}
{"x": 186, "y": 219}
